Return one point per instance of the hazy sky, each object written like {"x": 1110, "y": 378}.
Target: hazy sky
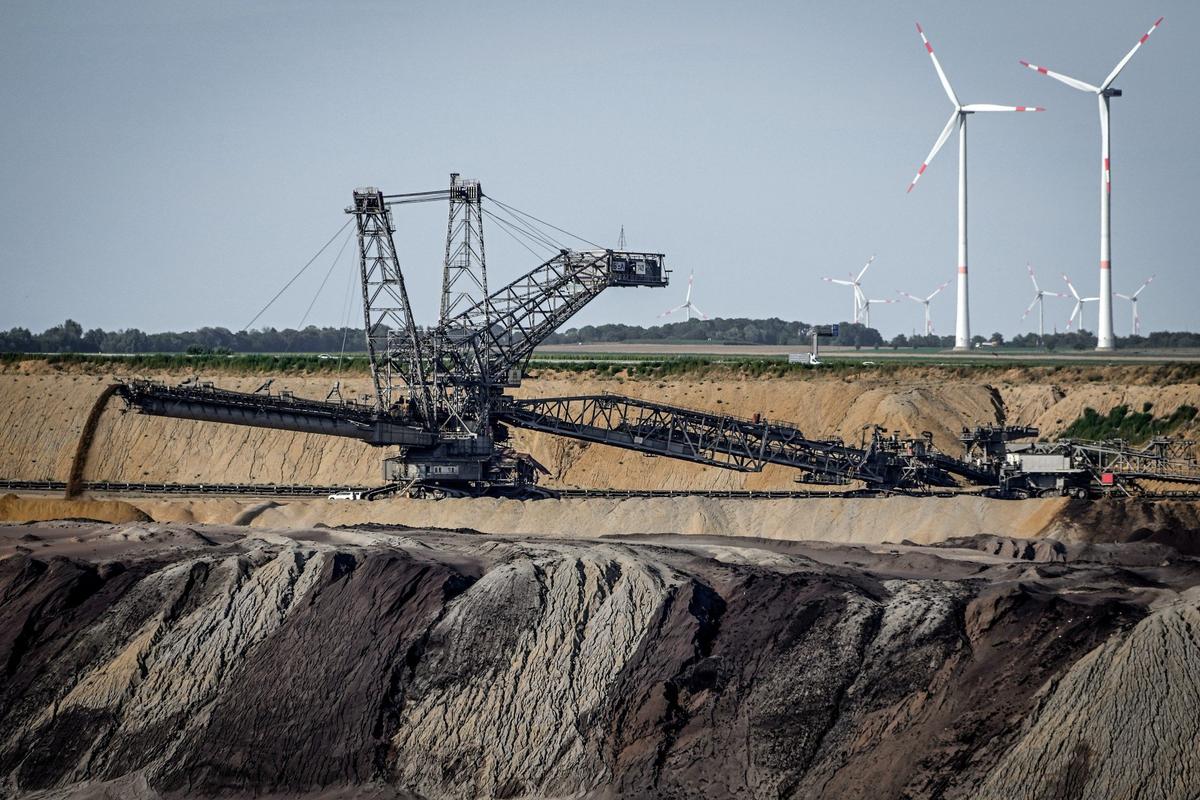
{"x": 170, "y": 165}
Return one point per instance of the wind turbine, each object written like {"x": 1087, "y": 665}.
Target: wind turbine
{"x": 1133, "y": 301}
{"x": 958, "y": 117}
{"x": 1103, "y": 92}
{"x": 925, "y": 302}
{"x": 687, "y": 305}
{"x": 1039, "y": 301}
{"x": 866, "y": 306}
{"x": 1079, "y": 301}
{"x": 860, "y": 299}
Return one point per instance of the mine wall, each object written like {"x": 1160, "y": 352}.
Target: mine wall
{"x": 43, "y": 413}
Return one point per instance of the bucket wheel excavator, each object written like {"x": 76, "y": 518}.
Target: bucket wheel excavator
{"x": 440, "y": 392}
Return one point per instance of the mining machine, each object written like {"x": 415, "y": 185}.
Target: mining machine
{"x": 440, "y": 393}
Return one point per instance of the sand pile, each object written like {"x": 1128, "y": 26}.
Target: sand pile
{"x": 28, "y": 509}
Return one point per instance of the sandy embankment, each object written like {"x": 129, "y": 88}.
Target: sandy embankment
{"x": 42, "y": 410}
{"x": 875, "y": 520}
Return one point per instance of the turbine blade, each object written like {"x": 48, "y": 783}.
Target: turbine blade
{"x": 1031, "y": 305}
{"x": 1122, "y": 296}
{"x": 910, "y": 297}
{"x": 838, "y": 281}
{"x": 994, "y": 107}
{"x": 1067, "y": 79}
{"x": 934, "y": 293}
{"x": 1144, "y": 285}
{"x": 937, "y": 66}
{"x": 863, "y": 271}
{"x": 699, "y": 313}
{"x": 1112, "y": 76}
{"x": 941, "y": 140}
{"x": 1033, "y": 278}
{"x": 1070, "y": 286}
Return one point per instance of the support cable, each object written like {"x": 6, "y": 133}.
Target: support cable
{"x": 528, "y": 229}
{"x": 504, "y": 227}
{"x": 297, "y": 275}
{"x": 321, "y": 288}
{"x": 346, "y": 317}
{"x": 542, "y": 221}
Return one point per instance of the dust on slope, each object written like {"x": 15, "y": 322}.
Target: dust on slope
{"x": 42, "y": 411}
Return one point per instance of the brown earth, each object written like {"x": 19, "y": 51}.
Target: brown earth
{"x": 35, "y": 508}
{"x": 43, "y": 408}
{"x": 148, "y": 660}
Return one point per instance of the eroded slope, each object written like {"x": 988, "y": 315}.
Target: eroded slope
{"x": 208, "y": 661}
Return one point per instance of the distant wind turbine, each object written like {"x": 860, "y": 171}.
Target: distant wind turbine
{"x": 1079, "y": 301}
{"x": 1133, "y": 301}
{"x": 925, "y": 302}
{"x": 1103, "y": 92}
{"x": 866, "y": 305}
{"x": 859, "y": 298}
{"x": 958, "y": 117}
{"x": 1039, "y": 301}
{"x": 687, "y": 305}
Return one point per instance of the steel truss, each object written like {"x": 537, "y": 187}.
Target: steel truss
{"x": 464, "y": 271}
{"x": 1161, "y": 458}
{"x": 391, "y": 333}
{"x": 745, "y": 445}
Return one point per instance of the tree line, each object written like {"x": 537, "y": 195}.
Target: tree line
{"x": 70, "y": 337}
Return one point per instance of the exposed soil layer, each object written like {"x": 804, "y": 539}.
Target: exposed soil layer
{"x": 169, "y": 660}
{"x": 866, "y": 521}
{"x": 44, "y": 408}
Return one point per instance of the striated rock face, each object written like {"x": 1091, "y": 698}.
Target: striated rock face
{"x": 152, "y": 660}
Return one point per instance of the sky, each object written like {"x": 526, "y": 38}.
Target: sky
{"x": 170, "y": 165}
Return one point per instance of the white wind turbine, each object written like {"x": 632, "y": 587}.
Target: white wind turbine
{"x": 860, "y": 299}
{"x": 1039, "y": 301}
{"x": 1103, "y": 92}
{"x": 866, "y": 306}
{"x": 687, "y": 304}
{"x": 1133, "y": 301}
{"x": 962, "y": 327}
{"x": 1079, "y": 302}
{"x": 925, "y": 302}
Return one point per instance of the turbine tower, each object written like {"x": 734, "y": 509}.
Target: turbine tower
{"x": 687, "y": 304}
{"x": 925, "y": 302}
{"x": 958, "y": 118}
{"x": 858, "y": 296}
{"x": 866, "y": 306}
{"x": 1133, "y": 301}
{"x": 1103, "y": 92}
{"x": 1039, "y": 301}
{"x": 1079, "y": 302}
